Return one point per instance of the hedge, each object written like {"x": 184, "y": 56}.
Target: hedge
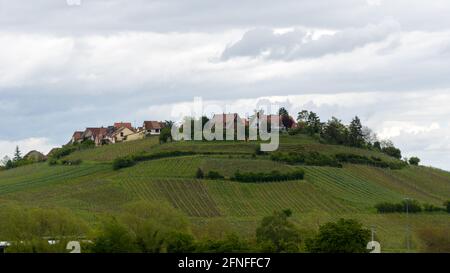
{"x": 311, "y": 159}
{"x": 274, "y": 176}
{"x": 128, "y": 161}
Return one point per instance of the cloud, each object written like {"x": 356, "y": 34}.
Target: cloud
{"x": 300, "y": 44}
{"x": 43, "y": 145}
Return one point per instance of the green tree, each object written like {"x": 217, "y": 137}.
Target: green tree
{"x": 276, "y": 233}
{"x": 344, "y": 236}
{"x": 17, "y": 155}
{"x": 356, "y": 135}
{"x": 335, "y": 132}
{"x": 114, "y": 238}
{"x": 313, "y": 124}
{"x": 415, "y": 161}
{"x": 165, "y": 135}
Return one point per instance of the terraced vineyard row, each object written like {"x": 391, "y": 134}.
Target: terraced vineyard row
{"x": 343, "y": 184}
{"x": 46, "y": 175}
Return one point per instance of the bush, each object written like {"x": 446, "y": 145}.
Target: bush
{"x": 123, "y": 162}
{"x": 114, "y": 238}
{"x": 392, "y": 151}
{"x": 413, "y": 206}
{"x": 447, "y": 206}
{"x": 274, "y": 176}
{"x": 199, "y": 174}
{"x": 178, "y": 242}
{"x": 277, "y": 234}
{"x": 71, "y": 162}
{"x": 231, "y": 244}
{"x": 372, "y": 161}
{"x": 344, "y": 236}
{"x": 311, "y": 159}
{"x": 415, "y": 161}
{"x": 431, "y": 208}
{"x": 214, "y": 175}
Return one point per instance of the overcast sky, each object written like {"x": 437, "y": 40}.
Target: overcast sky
{"x": 65, "y": 67}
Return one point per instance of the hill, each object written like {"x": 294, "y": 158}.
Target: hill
{"x": 93, "y": 189}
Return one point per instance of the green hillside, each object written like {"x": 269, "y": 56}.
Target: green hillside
{"x": 93, "y": 189}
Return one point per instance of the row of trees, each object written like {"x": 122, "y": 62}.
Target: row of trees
{"x": 145, "y": 227}
{"x": 410, "y": 206}
{"x": 334, "y": 131}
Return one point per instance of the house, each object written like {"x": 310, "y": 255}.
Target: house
{"x": 118, "y": 125}
{"x": 152, "y": 127}
{"x": 77, "y": 137}
{"x": 35, "y": 156}
{"x": 223, "y": 118}
{"x": 136, "y": 136}
{"x": 98, "y": 135}
{"x": 121, "y": 134}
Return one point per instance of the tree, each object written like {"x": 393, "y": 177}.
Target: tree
{"x": 286, "y": 120}
{"x": 414, "y": 161}
{"x": 344, "y": 236}
{"x": 392, "y": 151}
{"x": 17, "y": 155}
{"x": 355, "y": 135}
{"x": 277, "y": 233}
{"x": 165, "y": 135}
{"x": 313, "y": 124}
{"x": 168, "y": 124}
{"x": 114, "y": 238}
{"x": 335, "y": 132}
{"x": 283, "y": 112}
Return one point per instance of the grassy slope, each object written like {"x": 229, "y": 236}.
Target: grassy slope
{"x": 93, "y": 189}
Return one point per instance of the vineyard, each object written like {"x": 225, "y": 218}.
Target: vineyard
{"x": 93, "y": 189}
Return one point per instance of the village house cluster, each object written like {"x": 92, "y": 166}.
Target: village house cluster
{"x": 119, "y": 132}
{"x": 124, "y": 131}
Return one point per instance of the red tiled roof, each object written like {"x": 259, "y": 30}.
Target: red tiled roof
{"x": 118, "y": 125}
{"x": 77, "y": 135}
{"x": 152, "y": 125}
{"x": 97, "y": 131}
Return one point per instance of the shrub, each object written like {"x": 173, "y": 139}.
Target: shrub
{"x": 311, "y": 159}
{"x": 52, "y": 162}
{"x": 414, "y": 161}
{"x": 123, "y": 162}
{"x": 277, "y": 234}
{"x": 114, "y": 238}
{"x": 412, "y": 206}
{"x": 199, "y": 174}
{"x": 214, "y": 175}
{"x": 447, "y": 206}
{"x": 178, "y": 242}
{"x": 431, "y": 208}
{"x": 71, "y": 162}
{"x": 344, "y": 236}
{"x": 372, "y": 161}
{"x": 232, "y": 243}
{"x": 388, "y": 207}
{"x": 273, "y": 176}
{"x": 392, "y": 151}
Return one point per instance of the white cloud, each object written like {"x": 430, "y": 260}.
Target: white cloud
{"x": 43, "y": 145}
{"x": 297, "y": 44}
